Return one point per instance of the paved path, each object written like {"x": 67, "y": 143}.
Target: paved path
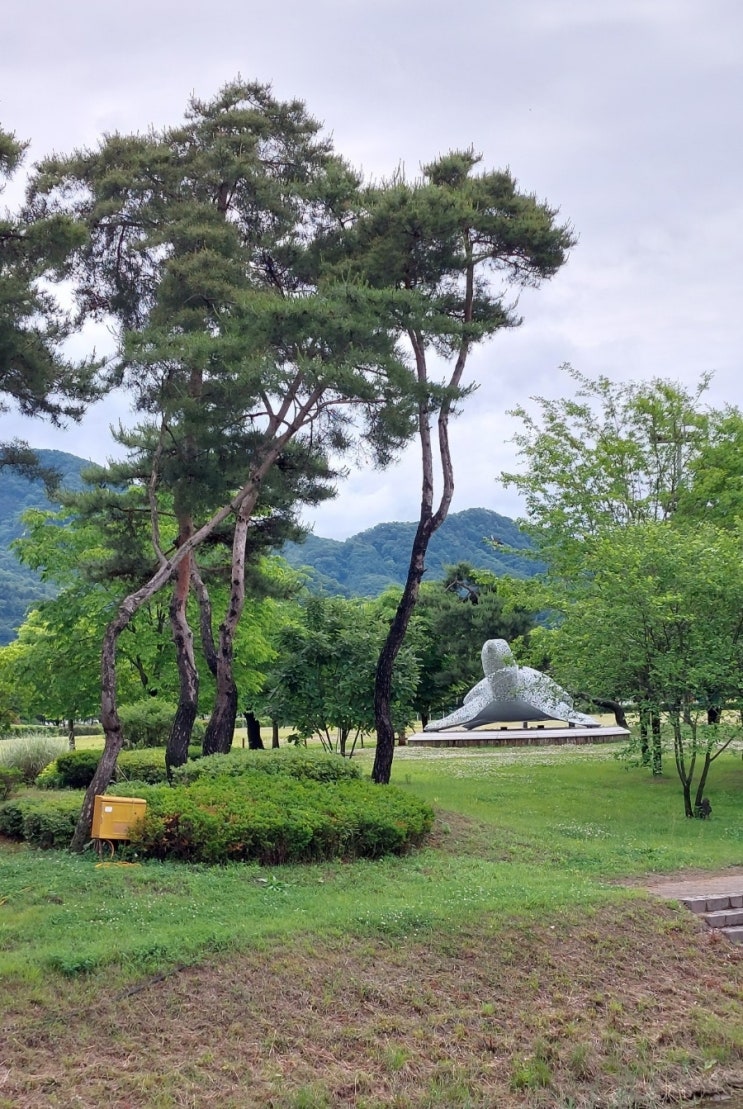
{"x": 697, "y": 883}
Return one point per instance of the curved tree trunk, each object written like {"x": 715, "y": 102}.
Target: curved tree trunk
{"x": 428, "y": 522}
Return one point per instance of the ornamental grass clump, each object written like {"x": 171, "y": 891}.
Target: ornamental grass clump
{"x": 29, "y": 754}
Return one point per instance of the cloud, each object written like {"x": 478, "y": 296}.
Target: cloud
{"x": 626, "y": 114}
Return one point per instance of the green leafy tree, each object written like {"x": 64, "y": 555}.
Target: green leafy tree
{"x": 656, "y": 620}
{"x": 323, "y": 681}
{"x": 447, "y": 248}
{"x": 617, "y": 455}
{"x": 613, "y": 454}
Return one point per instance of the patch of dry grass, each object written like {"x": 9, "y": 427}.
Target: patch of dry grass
{"x": 630, "y": 1005}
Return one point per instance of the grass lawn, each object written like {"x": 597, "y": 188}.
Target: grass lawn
{"x": 513, "y": 961}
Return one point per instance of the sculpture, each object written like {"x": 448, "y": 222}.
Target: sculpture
{"x": 510, "y": 692}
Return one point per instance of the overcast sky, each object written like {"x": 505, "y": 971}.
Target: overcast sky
{"x": 625, "y": 114}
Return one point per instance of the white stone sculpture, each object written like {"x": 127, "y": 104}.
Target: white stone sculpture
{"x": 510, "y": 692}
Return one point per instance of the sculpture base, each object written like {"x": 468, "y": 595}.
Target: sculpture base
{"x": 536, "y": 736}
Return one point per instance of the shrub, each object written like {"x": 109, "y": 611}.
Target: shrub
{"x": 71, "y": 770}
{"x": 30, "y": 754}
{"x": 273, "y": 819}
{"x": 9, "y": 780}
{"x": 304, "y": 765}
{"x": 147, "y": 723}
{"x": 147, "y": 765}
{"x": 41, "y": 821}
{"x": 75, "y": 769}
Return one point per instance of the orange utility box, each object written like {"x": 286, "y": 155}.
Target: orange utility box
{"x": 113, "y": 816}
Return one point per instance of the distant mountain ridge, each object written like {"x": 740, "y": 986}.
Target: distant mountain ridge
{"x": 371, "y": 561}
{"x": 20, "y": 586}
{"x": 363, "y": 565}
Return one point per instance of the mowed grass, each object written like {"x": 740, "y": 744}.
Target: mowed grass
{"x": 537, "y": 831}
{"x": 514, "y": 961}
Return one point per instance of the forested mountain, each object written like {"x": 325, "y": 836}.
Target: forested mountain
{"x": 372, "y": 560}
{"x": 19, "y": 586}
{"x": 362, "y": 566}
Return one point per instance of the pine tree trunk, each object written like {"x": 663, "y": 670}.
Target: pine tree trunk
{"x": 221, "y": 726}
{"x": 176, "y": 753}
{"x": 382, "y": 768}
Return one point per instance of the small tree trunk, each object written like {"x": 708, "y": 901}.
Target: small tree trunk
{"x": 71, "y": 733}
{"x": 702, "y": 783}
{"x": 274, "y": 733}
{"x": 253, "y": 728}
{"x": 657, "y": 745}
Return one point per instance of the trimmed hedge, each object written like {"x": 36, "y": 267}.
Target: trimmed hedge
{"x": 275, "y": 819}
{"x": 41, "y": 821}
{"x": 268, "y": 807}
{"x": 306, "y": 765}
{"x": 75, "y": 769}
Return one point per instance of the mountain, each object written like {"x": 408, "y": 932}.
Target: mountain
{"x": 19, "y": 586}
{"x": 369, "y": 562}
{"x": 363, "y": 565}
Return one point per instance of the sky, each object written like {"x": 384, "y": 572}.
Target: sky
{"x": 624, "y": 114}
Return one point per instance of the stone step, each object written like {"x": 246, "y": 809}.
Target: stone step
{"x": 725, "y": 918}
{"x": 735, "y": 935}
{"x": 711, "y": 904}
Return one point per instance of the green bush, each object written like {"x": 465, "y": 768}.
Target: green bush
{"x": 41, "y": 821}
{"x": 10, "y": 779}
{"x": 305, "y": 765}
{"x": 30, "y": 754}
{"x": 75, "y": 769}
{"x": 273, "y": 819}
{"x": 147, "y": 723}
{"x": 71, "y": 770}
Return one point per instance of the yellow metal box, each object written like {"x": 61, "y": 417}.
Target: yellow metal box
{"x": 113, "y": 816}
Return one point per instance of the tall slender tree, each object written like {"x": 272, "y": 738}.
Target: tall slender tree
{"x": 448, "y": 248}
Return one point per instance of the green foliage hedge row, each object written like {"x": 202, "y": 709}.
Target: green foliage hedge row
{"x": 75, "y": 769}
{"x": 276, "y": 819}
{"x": 294, "y": 763}
{"x": 268, "y": 807}
{"x": 39, "y": 820}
